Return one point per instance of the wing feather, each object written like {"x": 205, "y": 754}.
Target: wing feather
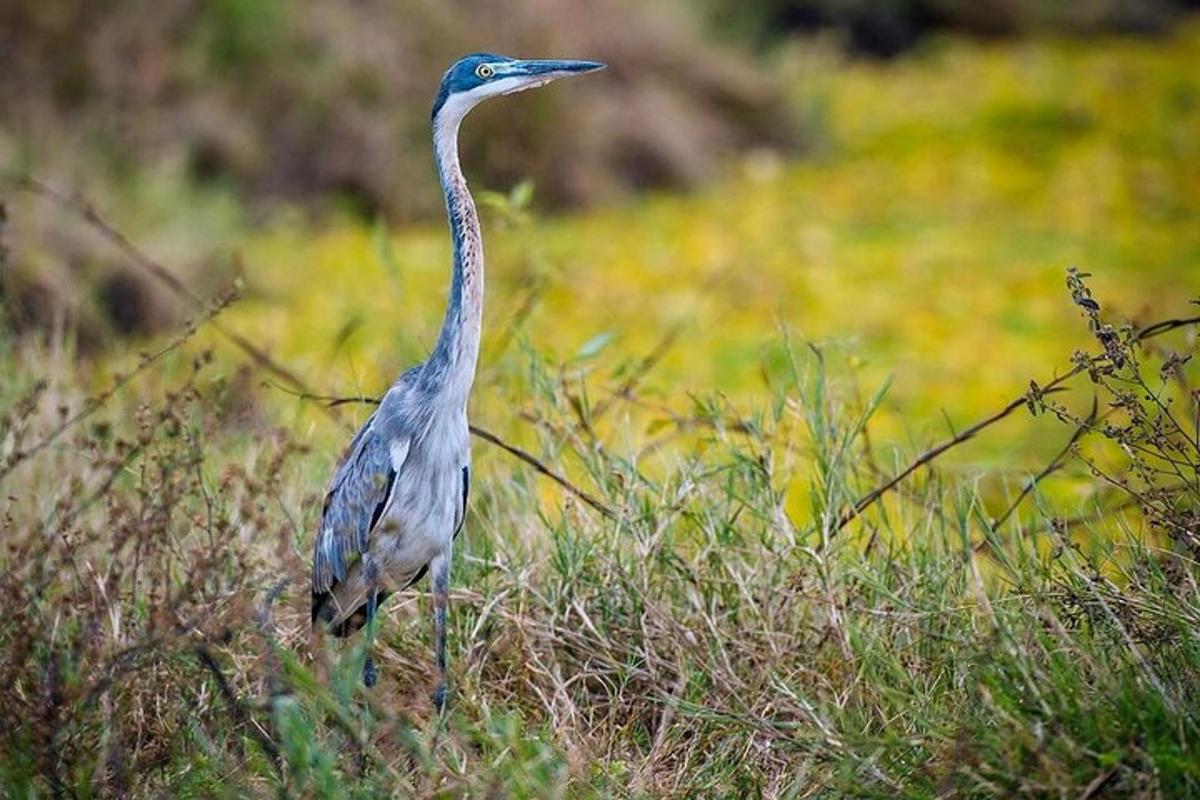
{"x": 361, "y": 488}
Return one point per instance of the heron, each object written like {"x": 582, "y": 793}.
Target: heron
{"x": 398, "y": 498}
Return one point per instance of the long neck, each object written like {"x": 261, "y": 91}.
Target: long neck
{"x": 452, "y": 363}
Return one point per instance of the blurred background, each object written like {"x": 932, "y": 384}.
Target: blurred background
{"x": 904, "y": 180}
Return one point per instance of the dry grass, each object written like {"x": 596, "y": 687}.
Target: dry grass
{"x": 333, "y": 102}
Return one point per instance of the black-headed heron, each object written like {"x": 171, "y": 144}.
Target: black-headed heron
{"x": 398, "y": 499}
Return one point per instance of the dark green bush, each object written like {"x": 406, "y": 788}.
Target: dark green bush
{"x": 889, "y": 27}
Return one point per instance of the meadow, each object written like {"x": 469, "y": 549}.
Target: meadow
{"x": 927, "y": 244}
{"x": 716, "y": 378}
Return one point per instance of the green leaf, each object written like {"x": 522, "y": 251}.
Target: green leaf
{"x": 521, "y": 195}
{"x": 594, "y": 345}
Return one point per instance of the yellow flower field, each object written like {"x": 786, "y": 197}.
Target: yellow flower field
{"x": 926, "y": 243}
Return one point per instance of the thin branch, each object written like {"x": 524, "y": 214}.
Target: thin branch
{"x": 81, "y": 206}
{"x": 1098, "y": 783}
{"x": 329, "y": 400}
{"x": 1164, "y": 326}
{"x": 98, "y": 401}
{"x": 1053, "y": 466}
{"x": 869, "y": 499}
{"x": 541, "y": 468}
{"x": 238, "y": 710}
{"x": 485, "y": 435}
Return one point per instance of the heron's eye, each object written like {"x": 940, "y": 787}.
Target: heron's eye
{"x": 485, "y": 71}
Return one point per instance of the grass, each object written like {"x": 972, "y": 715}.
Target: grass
{"x": 717, "y": 636}
{"x": 699, "y": 644}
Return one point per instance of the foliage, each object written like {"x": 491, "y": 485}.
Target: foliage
{"x": 1153, "y": 417}
{"x": 329, "y": 103}
{"x": 926, "y": 246}
{"x": 890, "y": 27}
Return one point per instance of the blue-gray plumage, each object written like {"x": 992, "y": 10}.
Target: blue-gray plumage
{"x": 398, "y": 498}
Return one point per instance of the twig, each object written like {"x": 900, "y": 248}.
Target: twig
{"x": 96, "y": 402}
{"x": 485, "y": 435}
{"x": 871, "y": 497}
{"x": 1054, "y": 465}
{"x": 541, "y": 468}
{"x": 1098, "y": 783}
{"x": 867, "y": 500}
{"x": 81, "y": 206}
{"x": 330, "y": 400}
{"x": 1164, "y": 326}
{"x": 238, "y": 709}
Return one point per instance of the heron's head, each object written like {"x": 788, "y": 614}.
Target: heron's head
{"x": 477, "y": 77}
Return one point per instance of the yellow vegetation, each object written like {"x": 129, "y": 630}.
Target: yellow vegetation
{"x": 928, "y": 242}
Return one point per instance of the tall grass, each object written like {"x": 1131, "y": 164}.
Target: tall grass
{"x": 700, "y": 641}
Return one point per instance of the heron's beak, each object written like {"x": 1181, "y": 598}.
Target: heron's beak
{"x": 533, "y": 73}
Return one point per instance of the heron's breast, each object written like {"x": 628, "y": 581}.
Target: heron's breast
{"x": 420, "y": 522}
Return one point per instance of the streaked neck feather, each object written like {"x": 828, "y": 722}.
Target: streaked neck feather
{"x": 451, "y": 366}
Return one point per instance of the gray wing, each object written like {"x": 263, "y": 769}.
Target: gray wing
{"x": 361, "y": 489}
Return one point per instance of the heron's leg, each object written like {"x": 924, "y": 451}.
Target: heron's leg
{"x": 439, "y": 570}
{"x": 370, "y": 671}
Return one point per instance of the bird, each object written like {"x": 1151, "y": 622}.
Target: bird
{"x": 398, "y": 498}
